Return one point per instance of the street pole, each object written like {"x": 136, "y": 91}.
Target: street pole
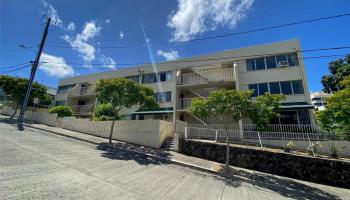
{"x": 32, "y": 75}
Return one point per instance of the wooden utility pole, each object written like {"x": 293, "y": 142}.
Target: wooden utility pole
{"x": 32, "y": 75}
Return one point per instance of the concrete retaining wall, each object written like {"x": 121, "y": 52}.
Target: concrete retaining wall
{"x": 320, "y": 170}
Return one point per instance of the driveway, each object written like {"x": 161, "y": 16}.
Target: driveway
{"x": 41, "y": 165}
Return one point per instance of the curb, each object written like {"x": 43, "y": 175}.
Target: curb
{"x": 173, "y": 161}
{"x": 61, "y": 134}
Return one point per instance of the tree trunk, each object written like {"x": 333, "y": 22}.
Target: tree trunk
{"x": 227, "y": 150}
{"x": 14, "y": 113}
{"x": 111, "y": 133}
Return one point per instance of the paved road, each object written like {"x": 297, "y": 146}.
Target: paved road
{"x": 40, "y": 165}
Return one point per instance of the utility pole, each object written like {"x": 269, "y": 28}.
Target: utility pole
{"x": 32, "y": 75}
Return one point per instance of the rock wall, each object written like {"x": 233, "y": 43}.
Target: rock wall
{"x": 319, "y": 170}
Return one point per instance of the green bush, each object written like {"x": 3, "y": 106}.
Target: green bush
{"x": 289, "y": 147}
{"x": 335, "y": 150}
{"x": 62, "y": 111}
{"x": 104, "y": 112}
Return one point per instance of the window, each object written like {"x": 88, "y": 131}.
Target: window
{"x": 168, "y": 76}
{"x": 275, "y": 88}
{"x": 293, "y": 59}
{"x": 316, "y": 99}
{"x": 255, "y": 88}
{"x": 288, "y": 117}
{"x": 298, "y": 87}
{"x": 286, "y": 87}
{"x": 250, "y": 64}
{"x": 149, "y": 78}
{"x": 162, "y": 97}
{"x": 60, "y": 103}
{"x": 165, "y": 76}
{"x": 281, "y": 59}
{"x": 263, "y": 88}
{"x": 271, "y": 62}
{"x": 260, "y": 63}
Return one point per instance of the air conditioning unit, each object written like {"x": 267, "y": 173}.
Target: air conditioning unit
{"x": 282, "y": 63}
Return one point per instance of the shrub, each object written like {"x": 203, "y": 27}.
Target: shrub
{"x": 314, "y": 149}
{"x": 104, "y": 112}
{"x": 62, "y": 111}
{"x": 289, "y": 147}
{"x": 335, "y": 151}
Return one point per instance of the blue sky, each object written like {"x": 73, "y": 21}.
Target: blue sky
{"x": 84, "y": 29}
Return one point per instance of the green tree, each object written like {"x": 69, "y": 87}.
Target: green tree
{"x": 62, "y": 111}
{"x": 338, "y": 69}
{"x": 223, "y": 104}
{"x": 104, "y": 112}
{"x": 15, "y": 90}
{"x": 336, "y": 117}
{"x": 123, "y": 93}
{"x": 265, "y": 108}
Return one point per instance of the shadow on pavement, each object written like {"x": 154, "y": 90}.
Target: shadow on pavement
{"x": 285, "y": 187}
{"x": 124, "y": 152}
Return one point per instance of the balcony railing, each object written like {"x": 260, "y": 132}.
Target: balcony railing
{"x": 82, "y": 109}
{"x": 206, "y": 76}
{"x": 82, "y": 91}
{"x": 183, "y": 103}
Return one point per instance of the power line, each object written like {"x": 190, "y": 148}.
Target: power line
{"x": 19, "y": 49}
{"x": 267, "y": 28}
{"x": 207, "y": 59}
{"x": 304, "y": 58}
{"x": 267, "y": 16}
{"x": 10, "y": 71}
{"x": 220, "y": 36}
{"x": 16, "y": 65}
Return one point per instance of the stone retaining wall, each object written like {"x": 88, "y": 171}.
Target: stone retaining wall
{"x": 319, "y": 170}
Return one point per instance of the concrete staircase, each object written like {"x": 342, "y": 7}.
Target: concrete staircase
{"x": 168, "y": 144}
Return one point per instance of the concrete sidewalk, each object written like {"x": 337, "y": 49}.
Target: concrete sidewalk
{"x": 168, "y": 156}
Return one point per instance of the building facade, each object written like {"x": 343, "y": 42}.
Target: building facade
{"x": 275, "y": 68}
{"x": 318, "y": 99}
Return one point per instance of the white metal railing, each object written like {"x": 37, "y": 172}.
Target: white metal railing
{"x": 206, "y": 76}
{"x": 82, "y": 109}
{"x": 303, "y": 132}
{"x": 211, "y": 132}
{"x": 183, "y": 103}
{"x": 82, "y": 91}
{"x": 286, "y": 132}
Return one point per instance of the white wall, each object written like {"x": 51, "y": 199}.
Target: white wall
{"x": 150, "y": 133}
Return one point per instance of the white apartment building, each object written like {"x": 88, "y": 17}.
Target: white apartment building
{"x": 318, "y": 99}
{"x": 274, "y": 68}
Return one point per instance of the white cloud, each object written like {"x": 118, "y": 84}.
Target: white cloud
{"x": 108, "y": 62}
{"x": 121, "y": 35}
{"x": 50, "y": 11}
{"x": 198, "y": 16}
{"x": 108, "y": 21}
{"x": 55, "y": 66}
{"x": 170, "y": 55}
{"x": 70, "y": 27}
{"x": 79, "y": 43}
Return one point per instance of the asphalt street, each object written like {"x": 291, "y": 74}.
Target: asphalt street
{"x": 41, "y": 165}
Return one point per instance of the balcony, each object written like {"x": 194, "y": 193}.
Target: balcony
{"x": 182, "y": 104}
{"x": 78, "y": 91}
{"x": 206, "y": 76}
{"x": 82, "y": 109}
